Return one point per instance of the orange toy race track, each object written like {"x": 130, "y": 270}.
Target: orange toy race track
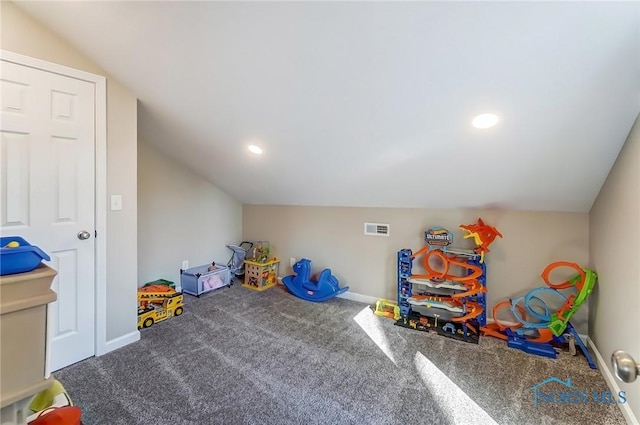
{"x": 447, "y": 260}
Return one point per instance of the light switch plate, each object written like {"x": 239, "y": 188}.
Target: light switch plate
{"x": 116, "y": 202}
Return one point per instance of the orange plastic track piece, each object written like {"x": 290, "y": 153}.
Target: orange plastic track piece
{"x": 474, "y": 311}
{"x": 547, "y": 271}
{"x": 544, "y": 335}
{"x": 503, "y": 304}
{"x": 491, "y": 330}
{"x": 448, "y": 261}
{"x": 473, "y": 287}
{"x": 430, "y": 271}
{"x": 497, "y": 329}
{"x": 420, "y": 251}
{"x": 473, "y": 329}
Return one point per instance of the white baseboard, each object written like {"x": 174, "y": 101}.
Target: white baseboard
{"x": 603, "y": 366}
{"x": 353, "y": 296}
{"x": 120, "y": 342}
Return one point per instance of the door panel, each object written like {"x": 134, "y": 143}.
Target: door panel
{"x": 15, "y": 179}
{"x": 48, "y": 144}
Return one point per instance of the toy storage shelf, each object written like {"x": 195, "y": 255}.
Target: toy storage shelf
{"x": 261, "y": 276}
{"x": 23, "y": 324}
{"x": 428, "y": 319}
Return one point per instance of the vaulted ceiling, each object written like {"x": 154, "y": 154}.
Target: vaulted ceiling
{"x": 370, "y": 103}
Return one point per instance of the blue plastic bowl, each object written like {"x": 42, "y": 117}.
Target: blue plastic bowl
{"x": 22, "y": 259}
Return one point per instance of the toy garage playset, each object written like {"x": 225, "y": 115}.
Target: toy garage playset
{"x": 451, "y": 301}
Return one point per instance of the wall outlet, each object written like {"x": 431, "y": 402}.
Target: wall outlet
{"x": 185, "y": 264}
{"x": 292, "y": 261}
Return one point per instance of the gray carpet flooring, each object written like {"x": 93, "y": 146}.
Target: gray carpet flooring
{"x": 238, "y": 356}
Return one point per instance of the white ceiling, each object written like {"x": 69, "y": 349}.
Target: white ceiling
{"x": 370, "y": 104}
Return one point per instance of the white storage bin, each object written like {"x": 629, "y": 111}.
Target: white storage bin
{"x": 16, "y": 413}
{"x": 199, "y": 280}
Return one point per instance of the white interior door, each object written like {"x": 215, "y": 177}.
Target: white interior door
{"x": 47, "y": 162}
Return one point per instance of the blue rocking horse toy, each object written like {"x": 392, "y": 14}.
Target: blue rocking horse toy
{"x": 300, "y": 285}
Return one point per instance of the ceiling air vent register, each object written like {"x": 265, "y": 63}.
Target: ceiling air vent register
{"x": 376, "y": 229}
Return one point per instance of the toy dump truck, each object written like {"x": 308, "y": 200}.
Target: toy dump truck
{"x": 157, "y": 303}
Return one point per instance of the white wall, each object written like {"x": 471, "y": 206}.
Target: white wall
{"x": 181, "y": 217}
{"x": 22, "y": 34}
{"x": 615, "y": 254}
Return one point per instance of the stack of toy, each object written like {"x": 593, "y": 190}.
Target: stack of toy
{"x": 443, "y": 301}
{"x": 537, "y": 330}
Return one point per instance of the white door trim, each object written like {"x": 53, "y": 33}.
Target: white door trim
{"x": 100, "y": 83}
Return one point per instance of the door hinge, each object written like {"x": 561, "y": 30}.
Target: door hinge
{"x": 95, "y": 233}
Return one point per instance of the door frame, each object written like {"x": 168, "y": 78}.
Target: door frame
{"x": 100, "y": 206}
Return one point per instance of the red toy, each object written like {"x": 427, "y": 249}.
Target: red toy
{"x": 66, "y": 415}
{"x": 482, "y": 235}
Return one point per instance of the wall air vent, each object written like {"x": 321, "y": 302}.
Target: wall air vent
{"x": 376, "y": 229}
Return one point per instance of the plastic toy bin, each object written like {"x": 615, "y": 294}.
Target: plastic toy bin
{"x": 23, "y": 325}
{"x": 21, "y": 259}
{"x": 199, "y": 280}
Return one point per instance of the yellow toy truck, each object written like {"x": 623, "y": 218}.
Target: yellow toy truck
{"x": 157, "y": 303}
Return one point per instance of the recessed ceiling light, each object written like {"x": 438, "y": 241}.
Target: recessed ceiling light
{"x": 255, "y": 149}
{"x": 485, "y": 121}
